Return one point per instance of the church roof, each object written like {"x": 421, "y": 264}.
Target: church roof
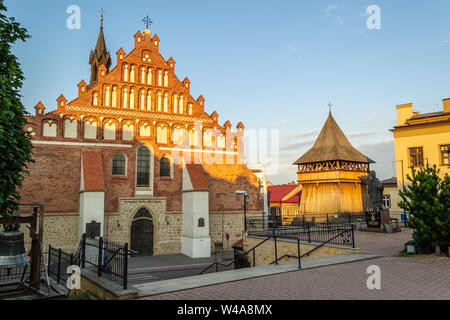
{"x": 331, "y": 145}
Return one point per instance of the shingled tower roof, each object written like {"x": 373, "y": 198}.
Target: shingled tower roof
{"x": 331, "y": 145}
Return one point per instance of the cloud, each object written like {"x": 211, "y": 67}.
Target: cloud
{"x": 302, "y": 134}
{"x": 378, "y": 119}
{"x": 277, "y": 123}
{"x": 330, "y": 8}
{"x": 445, "y": 41}
{"x": 383, "y": 153}
{"x": 364, "y": 133}
{"x": 298, "y": 144}
{"x": 292, "y": 48}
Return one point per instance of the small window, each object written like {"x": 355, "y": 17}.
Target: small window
{"x": 386, "y": 202}
{"x": 445, "y": 154}
{"x": 119, "y": 163}
{"x": 416, "y": 157}
{"x": 164, "y": 167}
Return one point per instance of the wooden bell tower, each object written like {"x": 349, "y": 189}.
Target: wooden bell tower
{"x": 329, "y": 174}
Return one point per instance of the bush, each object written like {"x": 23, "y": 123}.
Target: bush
{"x": 427, "y": 199}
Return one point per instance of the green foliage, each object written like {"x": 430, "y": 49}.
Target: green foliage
{"x": 427, "y": 199}
{"x": 15, "y": 144}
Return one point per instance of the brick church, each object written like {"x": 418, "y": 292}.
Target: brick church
{"x": 135, "y": 158}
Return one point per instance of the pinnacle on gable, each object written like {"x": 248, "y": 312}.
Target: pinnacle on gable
{"x": 61, "y": 101}
{"x": 201, "y": 100}
{"x": 120, "y": 54}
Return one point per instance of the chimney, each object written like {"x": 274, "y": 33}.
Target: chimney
{"x": 446, "y": 103}
{"x": 404, "y": 112}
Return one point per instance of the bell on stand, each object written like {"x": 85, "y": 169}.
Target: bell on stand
{"x": 12, "y": 255}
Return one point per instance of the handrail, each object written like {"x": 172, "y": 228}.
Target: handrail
{"x": 240, "y": 256}
{"x": 350, "y": 228}
{"x": 324, "y": 243}
{"x": 314, "y": 249}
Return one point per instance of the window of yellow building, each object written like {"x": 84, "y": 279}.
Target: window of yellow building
{"x": 445, "y": 154}
{"x": 416, "y": 157}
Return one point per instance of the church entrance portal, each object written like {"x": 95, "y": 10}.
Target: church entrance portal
{"x": 142, "y": 232}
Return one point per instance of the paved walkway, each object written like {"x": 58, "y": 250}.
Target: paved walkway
{"x": 159, "y": 287}
{"x": 401, "y": 278}
{"x": 383, "y": 244}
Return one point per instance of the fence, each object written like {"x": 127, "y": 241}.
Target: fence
{"x": 335, "y": 234}
{"x": 254, "y": 224}
{"x": 57, "y": 263}
{"x": 107, "y": 259}
{"x": 319, "y": 234}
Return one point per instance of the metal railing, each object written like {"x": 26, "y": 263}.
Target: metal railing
{"x": 261, "y": 223}
{"x": 314, "y": 233}
{"x": 110, "y": 260}
{"x": 107, "y": 259}
{"x": 318, "y": 234}
{"x": 57, "y": 263}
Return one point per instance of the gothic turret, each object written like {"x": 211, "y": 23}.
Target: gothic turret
{"x": 99, "y": 56}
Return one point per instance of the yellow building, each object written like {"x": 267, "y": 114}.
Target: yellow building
{"x": 421, "y": 139}
{"x": 391, "y": 198}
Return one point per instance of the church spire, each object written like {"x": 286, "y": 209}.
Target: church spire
{"x": 100, "y": 55}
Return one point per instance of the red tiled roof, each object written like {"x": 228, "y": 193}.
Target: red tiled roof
{"x": 295, "y": 198}
{"x": 93, "y": 171}
{"x": 277, "y": 193}
{"x": 197, "y": 175}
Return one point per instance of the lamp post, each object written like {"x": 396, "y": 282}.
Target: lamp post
{"x": 246, "y": 200}
{"x": 403, "y": 184}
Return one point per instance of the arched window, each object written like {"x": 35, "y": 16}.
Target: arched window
{"x": 119, "y": 164}
{"x": 132, "y": 73}
{"x": 164, "y": 167}
{"x": 143, "y": 75}
{"x": 125, "y": 73}
{"x": 107, "y": 96}
{"x": 166, "y": 78}
{"x": 132, "y": 98}
{"x": 161, "y": 134}
{"x": 114, "y": 97}
{"x": 149, "y": 100}
{"x": 125, "y": 98}
{"x": 143, "y": 167}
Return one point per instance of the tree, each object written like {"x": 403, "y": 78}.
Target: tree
{"x": 15, "y": 143}
{"x": 427, "y": 199}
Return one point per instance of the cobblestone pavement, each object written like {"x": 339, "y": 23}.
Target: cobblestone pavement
{"x": 401, "y": 278}
{"x": 383, "y": 244}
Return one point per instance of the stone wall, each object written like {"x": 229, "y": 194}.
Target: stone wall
{"x": 61, "y": 230}
{"x": 265, "y": 254}
{"x": 221, "y": 223}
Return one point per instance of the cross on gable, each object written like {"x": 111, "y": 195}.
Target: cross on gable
{"x": 147, "y": 21}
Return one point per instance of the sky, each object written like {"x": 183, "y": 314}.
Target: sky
{"x": 274, "y": 65}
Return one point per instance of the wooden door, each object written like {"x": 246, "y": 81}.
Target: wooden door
{"x": 142, "y": 236}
